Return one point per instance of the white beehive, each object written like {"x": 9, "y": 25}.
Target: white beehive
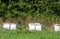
{"x": 56, "y": 27}
{"x": 13, "y": 26}
{"x": 31, "y": 26}
{"x": 35, "y": 26}
{"x": 38, "y": 26}
{"x": 6, "y": 25}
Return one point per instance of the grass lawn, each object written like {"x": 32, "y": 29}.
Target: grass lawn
{"x": 15, "y": 34}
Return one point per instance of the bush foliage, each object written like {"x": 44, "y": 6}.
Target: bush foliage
{"x": 25, "y": 11}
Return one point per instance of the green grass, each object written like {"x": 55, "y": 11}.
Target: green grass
{"x": 19, "y": 34}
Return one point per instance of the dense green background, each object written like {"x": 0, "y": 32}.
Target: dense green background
{"x": 46, "y": 12}
{"x": 24, "y": 11}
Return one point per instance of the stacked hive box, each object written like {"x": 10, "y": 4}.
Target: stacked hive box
{"x": 35, "y": 26}
{"x": 56, "y": 27}
{"x": 9, "y": 26}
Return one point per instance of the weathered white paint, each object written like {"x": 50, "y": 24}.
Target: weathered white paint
{"x": 31, "y": 26}
{"x": 56, "y": 27}
{"x": 13, "y": 26}
{"x": 6, "y": 25}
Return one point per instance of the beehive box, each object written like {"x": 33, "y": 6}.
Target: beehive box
{"x": 35, "y": 26}
{"x": 13, "y": 26}
{"x": 9, "y": 26}
{"x": 56, "y": 27}
{"x": 38, "y": 26}
{"x": 31, "y": 26}
{"x": 6, "y": 25}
